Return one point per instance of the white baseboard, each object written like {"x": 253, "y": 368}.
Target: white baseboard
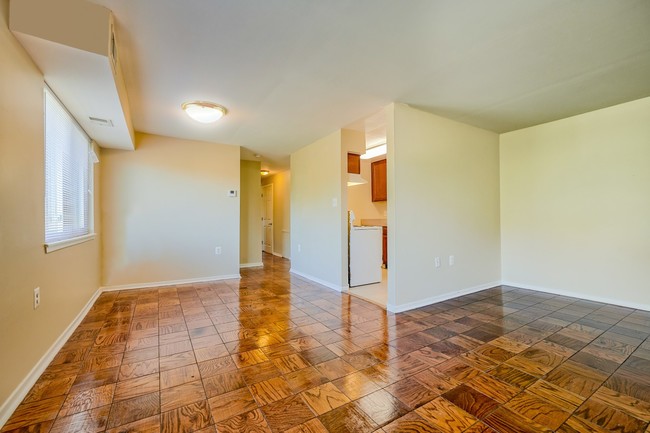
{"x": 168, "y": 283}
{"x": 276, "y": 254}
{"x": 13, "y": 401}
{"x": 439, "y": 298}
{"x": 586, "y": 296}
{"x": 251, "y": 265}
{"x": 319, "y": 281}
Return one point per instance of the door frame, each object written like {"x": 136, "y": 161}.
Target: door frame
{"x": 269, "y": 189}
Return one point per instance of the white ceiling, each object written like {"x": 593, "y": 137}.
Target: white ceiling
{"x": 292, "y": 71}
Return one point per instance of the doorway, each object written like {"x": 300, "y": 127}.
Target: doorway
{"x": 267, "y": 218}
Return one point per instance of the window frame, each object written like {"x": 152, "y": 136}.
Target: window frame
{"x": 90, "y": 199}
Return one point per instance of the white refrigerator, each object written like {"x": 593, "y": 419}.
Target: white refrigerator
{"x": 365, "y": 255}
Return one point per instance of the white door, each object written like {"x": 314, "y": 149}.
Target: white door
{"x": 267, "y": 218}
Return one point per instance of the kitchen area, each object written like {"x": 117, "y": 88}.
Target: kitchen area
{"x": 367, "y": 219}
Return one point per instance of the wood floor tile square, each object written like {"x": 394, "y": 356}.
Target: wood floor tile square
{"x": 312, "y": 426}
{"x": 348, "y": 418}
{"x": 87, "y": 399}
{"x": 271, "y": 390}
{"x": 504, "y": 420}
{"x": 251, "y": 357}
{"x": 92, "y": 421}
{"x": 290, "y": 363}
{"x": 471, "y": 401}
{"x": 411, "y": 422}
{"x": 555, "y": 395}
{"x": 335, "y": 368}
{"x": 178, "y": 376}
{"x": 411, "y": 392}
{"x": 445, "y": 416}
{"x": 134, "y": 409}
{"x": 382, "y": 407}
{"x": 538, "y": 409}
{"x": 576, "y": 378}
{"x": 50, "y": 388}
{"x": 304, "y": 379}
{"x": 185, "y": 419}
{"x": 324, "y": 398}
{"x": 216, "y": 366}
{"x": 181, "y": 395}
{"x": 355, "y": 385}
{"x": 609, "y": 418}
{"x": 287, "y": 413}
{"x": 177, "y": 360}
{"x": 138, "y": 369}
{"x": 232, "y": 403}
{"x": 137, "y": 386}
{"x": 252, "y": 421}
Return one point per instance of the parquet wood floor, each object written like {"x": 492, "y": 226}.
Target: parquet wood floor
{"x": 276, "y": 353}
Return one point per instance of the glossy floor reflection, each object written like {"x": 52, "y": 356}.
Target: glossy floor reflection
{"x": 273, "y": 352}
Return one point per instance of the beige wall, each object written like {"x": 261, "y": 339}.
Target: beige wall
{"x": 575, "y": 205}
{"x": 250, "y": 228}
{"x": 68, "y": 278}
{"x": 360, "y": 197}
{"x": 166, "y": 207}
{"x": 281, "y": 212}
{"x": 318, "y": 218}
{"x": 443, "y": 199}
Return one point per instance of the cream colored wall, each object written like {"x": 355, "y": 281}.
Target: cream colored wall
{"x": 281, "y": 212}
{"x": 443, "y": 199}
{"x": 318, "y": 218}
{"x": 360, "y": 197}
{"x": 68, "y": 278}
{"x": 250, "y": 227}
{"x": 165, "y": 209}
{"x": 575, "y": 205}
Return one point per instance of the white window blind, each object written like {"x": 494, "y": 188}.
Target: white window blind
{"x": 68, "y": 176}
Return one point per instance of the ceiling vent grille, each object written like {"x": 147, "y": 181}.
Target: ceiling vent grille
{"x": 101, "y": 122}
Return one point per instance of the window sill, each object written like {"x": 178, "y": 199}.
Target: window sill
{"x": 53, "y": 246}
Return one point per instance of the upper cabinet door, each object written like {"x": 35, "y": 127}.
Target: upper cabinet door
{"x": 354, "y": 163}
{"x": 378, "y": 170}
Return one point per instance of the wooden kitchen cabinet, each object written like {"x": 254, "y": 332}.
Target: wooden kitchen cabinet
{"x": 378, "y": 179}
{"x": 354, "y": 163}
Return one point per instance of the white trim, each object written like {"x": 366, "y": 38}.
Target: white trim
{"x": 251, "y": 265}
{"x": 578, "y": 295}
{"x": 439, "y": 298}
{"x": 319, "y": 281}
{"x": 20, "y": 392}
{"x": 168, "y": 283}
{"x": 53, "y": 246}
{"x": 277, "y": 254}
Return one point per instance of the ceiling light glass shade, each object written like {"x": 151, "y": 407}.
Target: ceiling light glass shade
{"x": 264, "y": 172}
{"x": 204, "y": 112}
{"x": 374, "y": 151}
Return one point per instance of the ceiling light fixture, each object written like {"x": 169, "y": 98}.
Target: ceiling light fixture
{"x": 204, "y": 112}
{"x": 374, "y": 152}
{"x": 264, "y": 172}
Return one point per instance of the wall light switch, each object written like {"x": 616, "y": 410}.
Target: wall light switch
{"x": 437, "y": 262}
{"x": 335, "y": 202}
{"x": 452, "y": 260}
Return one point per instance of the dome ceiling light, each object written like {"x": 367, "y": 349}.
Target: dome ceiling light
{"x": 204, "y": 112}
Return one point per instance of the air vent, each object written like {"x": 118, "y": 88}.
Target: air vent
{"x": 101, "y": 122}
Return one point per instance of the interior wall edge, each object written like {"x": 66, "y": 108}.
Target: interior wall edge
{"x": 150, "y": 284}
{"x": 579, "y": 295}
{"x": 400, "y": 308}
{"x": 319, "y": 281}
{"x": 20, "y": 392}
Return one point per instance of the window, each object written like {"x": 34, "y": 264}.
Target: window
{"x": 68, "y": 178}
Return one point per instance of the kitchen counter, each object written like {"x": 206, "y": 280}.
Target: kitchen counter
{"x": 373, "y": 222}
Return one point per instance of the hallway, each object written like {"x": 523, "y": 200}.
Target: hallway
{"x": 274, "y": 352}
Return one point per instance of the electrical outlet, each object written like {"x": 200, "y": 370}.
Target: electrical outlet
{"x": 217, "y": 250}
{"x": 437, "y": 262}
{"x": 37, "y": 297}
{"x": 452, "y": 260}
{"x": 299, "y": 248}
